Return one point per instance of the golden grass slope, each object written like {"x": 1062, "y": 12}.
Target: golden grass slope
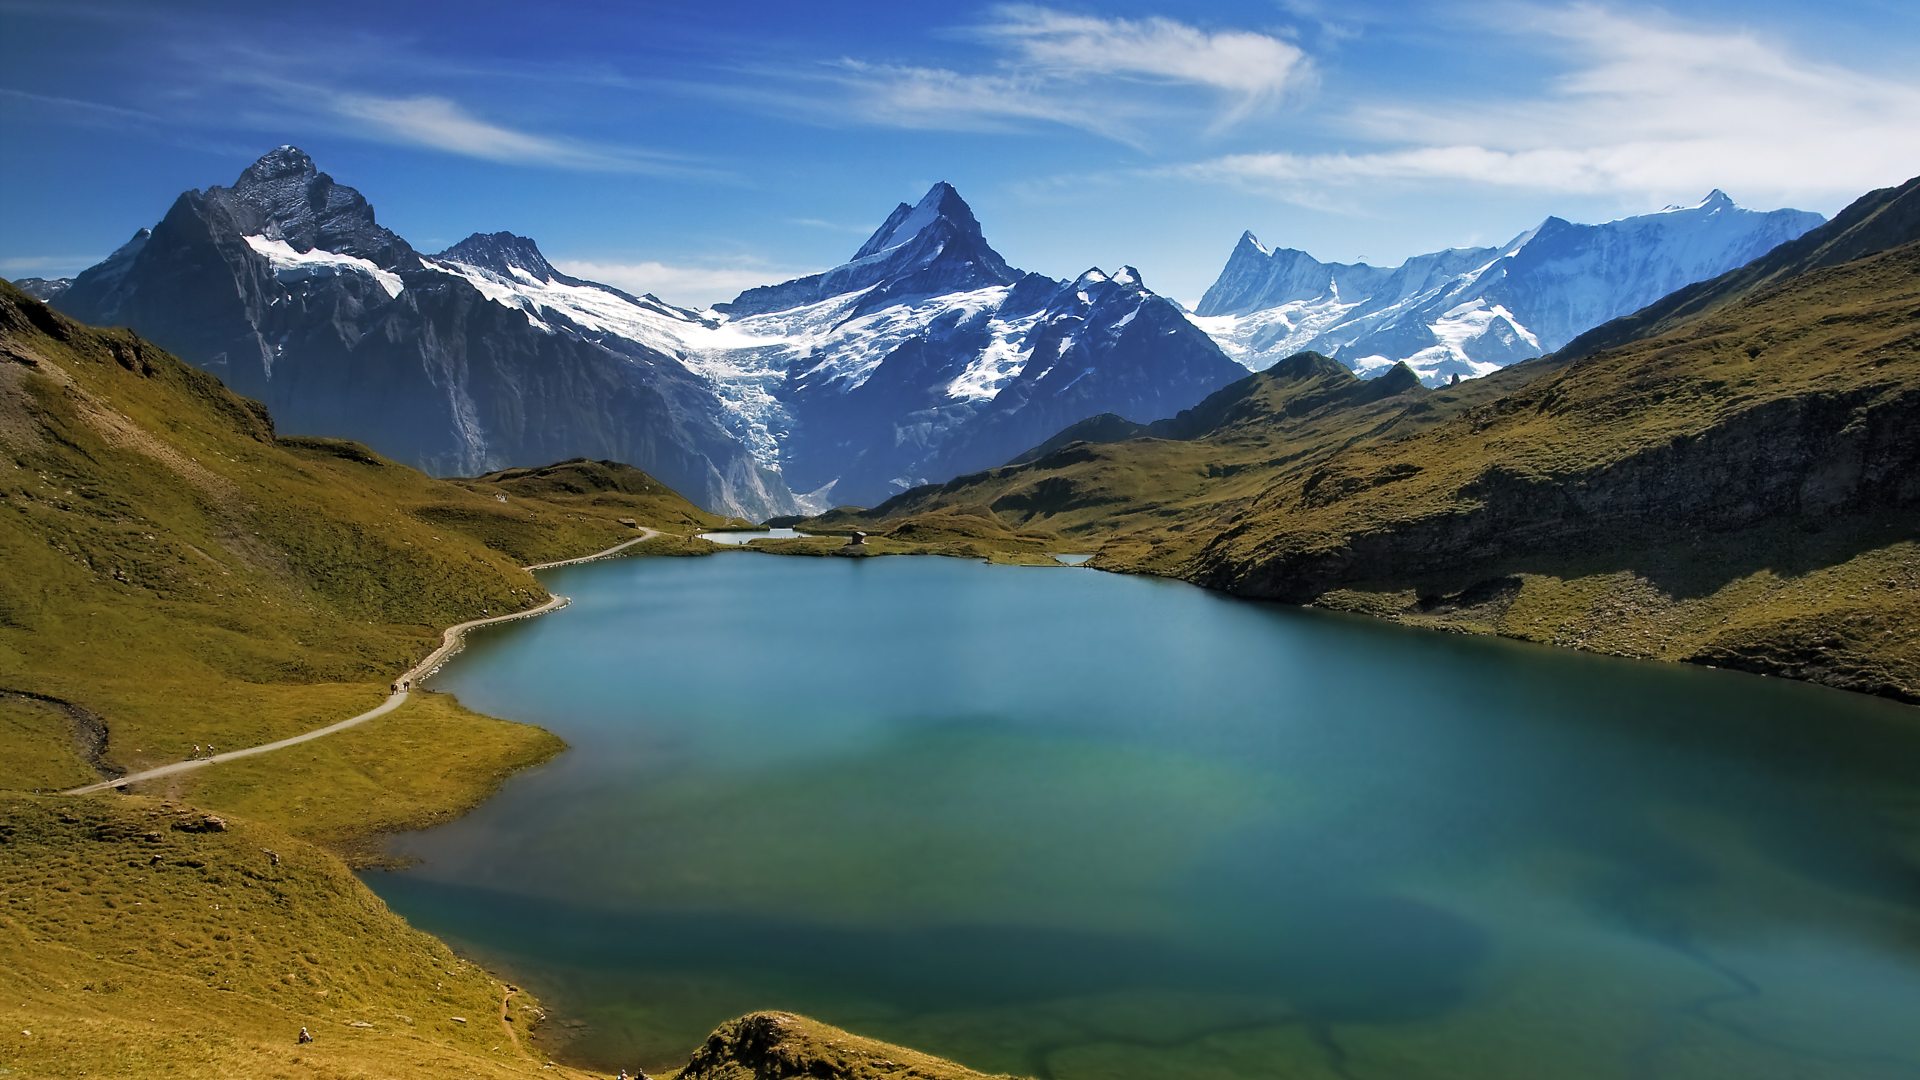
{"x": 137, "y": 944}
{"x": 177, "y": 570}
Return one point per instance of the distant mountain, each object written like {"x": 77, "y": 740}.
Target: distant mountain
{"x": 42, "y": 288}
{"x": 288, "y": 288}
{"x": 922, "y": 357}
{"x": 1469, "y": 311}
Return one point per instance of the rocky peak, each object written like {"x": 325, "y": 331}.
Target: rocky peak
{"x": 280, "y": 163}
{"x": 932, "y": 247}
{"x": 284, "y": 196}
{"x": 502, "y": 253}
{"x": 941, "y": 205}
{"x": 1308, "y": 365}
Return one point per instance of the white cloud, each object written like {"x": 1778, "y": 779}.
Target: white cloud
{"x": 442, "y": 125}
{"x": 45, "y": 265}
{"x": 1647, "y": 106}
{"x": 437, "y": 123}
{"x": 943, "y": 100}
{"x": 1251, "y": 69}
{"x": 1105, "y": 76}
{"x": 697, "y": 285}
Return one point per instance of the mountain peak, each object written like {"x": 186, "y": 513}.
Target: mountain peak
{"x": 1250, "y": 242}
{"x": 502, "y": 253}
{"x": 284, "y": 196}
{"x": 1716, "y": 200}
{"x": 940, "y": 203}
{"x": 281, "y": 162}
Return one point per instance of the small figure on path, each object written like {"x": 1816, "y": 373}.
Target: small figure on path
{"x": 273, "y": 857}
{"x": 196, "y": 752}
{"x": 305, "y": 1036}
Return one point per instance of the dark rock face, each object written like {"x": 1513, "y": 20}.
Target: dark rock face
{"x": 1809, "y": 460}
{"x": 287, "y": 287}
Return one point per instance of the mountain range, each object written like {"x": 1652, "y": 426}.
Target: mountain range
{"x": 923, "y": 356}
{"x": 1468, "y": 311}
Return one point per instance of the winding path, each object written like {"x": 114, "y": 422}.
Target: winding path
{"x": 450, "y": 641}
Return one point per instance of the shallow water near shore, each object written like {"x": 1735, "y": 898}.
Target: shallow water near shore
{"x": 1073, "y": 825}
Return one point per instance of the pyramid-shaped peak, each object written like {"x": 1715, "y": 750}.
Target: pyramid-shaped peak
{"x": 1250, "y": 242}
{"x": 277, "y": 163}
{"x": 1716, "y": 200}
{"x": 941, "y": 203}
{"x": 502, "y": 253}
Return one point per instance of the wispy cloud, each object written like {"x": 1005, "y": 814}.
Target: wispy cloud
{"x": 693, "y": 284}
{"x": 437, "y": 123}
{"x": 16, "y": 266}
{"x": 831, "y": 226}
{"x": 1250, "y": 70}
{"x": 1647, "y": 105}
{"x": 1043, "y": 68}
{"x": 92, "y": 110}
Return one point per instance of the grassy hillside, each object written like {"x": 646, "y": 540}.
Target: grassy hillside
{"x": 1115, "y": 485}
{"x": 184, "y": 576}
{"x": 140, "y": 944}
{"x": 1731, "y": 481}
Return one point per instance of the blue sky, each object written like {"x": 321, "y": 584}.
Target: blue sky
{"x": 693, "y": 149}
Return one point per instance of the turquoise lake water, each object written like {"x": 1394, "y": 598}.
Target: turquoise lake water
{"x": 1066, "y": 824}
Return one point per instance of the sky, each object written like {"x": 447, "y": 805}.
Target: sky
{"x": 694, "y": 149}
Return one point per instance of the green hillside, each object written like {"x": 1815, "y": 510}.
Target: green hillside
{"x": 185, "y": 577}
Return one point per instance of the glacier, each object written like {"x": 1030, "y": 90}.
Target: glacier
{"x": 1465, "y": 312}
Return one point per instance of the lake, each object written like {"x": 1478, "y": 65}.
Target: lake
{"x": 1069, "y": 824}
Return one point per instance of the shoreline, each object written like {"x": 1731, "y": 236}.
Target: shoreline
{"x": 1361, "y": 605}
{"x": 452, "y": 640}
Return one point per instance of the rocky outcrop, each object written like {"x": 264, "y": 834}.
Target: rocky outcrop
{"x": 781, "y": 1046}
{"x": 1807, "y": 461}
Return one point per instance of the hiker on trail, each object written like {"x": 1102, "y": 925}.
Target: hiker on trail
{"x": 196, "y": 752}
{"x": 305, "y": 1036}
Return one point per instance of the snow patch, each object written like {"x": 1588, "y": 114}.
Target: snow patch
{"x": 291, "y": 266}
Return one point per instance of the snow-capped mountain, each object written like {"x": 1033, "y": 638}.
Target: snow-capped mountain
{"x": 42, "y": 288}
{"x": 1469, "y": 311}
{"x": 927, "y": 356}
{"x": 287, "y": 287}
{"x": 922, "y": 357}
